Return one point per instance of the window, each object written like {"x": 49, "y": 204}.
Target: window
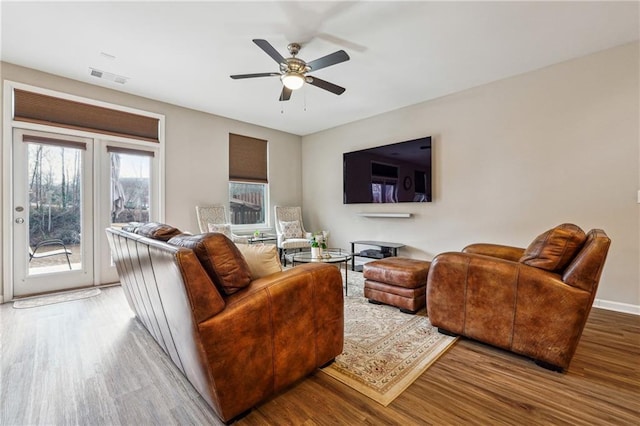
{"x": 248, "y": 183}
{"x": 130, "y": 171}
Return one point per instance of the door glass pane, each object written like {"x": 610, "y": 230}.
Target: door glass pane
{"x": 55, "y": 190}
{"x": 130, "y": 188}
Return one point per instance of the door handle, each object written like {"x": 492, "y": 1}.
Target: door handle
{"x": 19, "y": 220}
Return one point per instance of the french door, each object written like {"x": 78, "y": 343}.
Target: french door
{"x": 66, "y": 190}
{"x": 52, "y": 212}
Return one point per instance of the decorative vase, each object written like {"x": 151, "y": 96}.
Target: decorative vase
{"x": 316, "y": 252}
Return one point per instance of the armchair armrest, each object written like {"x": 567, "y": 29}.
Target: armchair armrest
{"x": 495, "y": 250}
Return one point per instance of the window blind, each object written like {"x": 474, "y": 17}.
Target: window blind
{"x": 43, "y": 109}
{"x": 130, "y": 151}
{"x": 247, "y": 159}
{"x": 53, "y": 141}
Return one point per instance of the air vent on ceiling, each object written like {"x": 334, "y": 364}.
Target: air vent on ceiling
{"x": 108, "y": 76}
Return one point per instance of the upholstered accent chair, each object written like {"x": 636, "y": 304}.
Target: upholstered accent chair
{"x": 534, "y": 301}
{"x": 290, "y": 229}
{"x": 214, "y": 219}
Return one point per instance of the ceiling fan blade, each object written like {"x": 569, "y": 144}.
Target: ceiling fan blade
{"x": 331, "y": 59}
{"x": 262, "y": 74}
{"x": 333, "y": 88}
{"x": 269, "y": 50}
{"x": 286, "y": 94}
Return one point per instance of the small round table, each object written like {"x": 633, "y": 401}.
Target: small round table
{"x": 332, "y": 255}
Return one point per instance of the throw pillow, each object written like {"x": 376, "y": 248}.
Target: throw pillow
{"x": 553, "y": 250}
{"x": 291, "y": 229}
{"x": 221, "y": 259}
{"x": 262, "y": 259}
{"x": 132, "y": 227}
{"x": 222, "y": 228}
{"x": 157, "y": 231}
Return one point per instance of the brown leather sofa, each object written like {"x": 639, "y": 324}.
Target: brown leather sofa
{"x": 237, "y": 340}
{"x": 533, "y": 302}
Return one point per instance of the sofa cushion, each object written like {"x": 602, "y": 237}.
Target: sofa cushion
{"x": 221, "y": 259}
{"x": 262, "y": 259}
{"x": 157, "y": 231}
{"x": 222, "y": 228}
{"x": 291, "y": 229}
{"x": 553, "y": 250}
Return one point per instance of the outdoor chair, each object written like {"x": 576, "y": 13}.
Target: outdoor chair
{"x": 34, "y": 254}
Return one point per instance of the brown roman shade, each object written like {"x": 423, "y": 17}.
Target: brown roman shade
{"x": 43, "y": 109}
{"x": 247, "y": 159}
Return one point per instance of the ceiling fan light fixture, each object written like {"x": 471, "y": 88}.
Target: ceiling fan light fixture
{"x": 292, "y": 80}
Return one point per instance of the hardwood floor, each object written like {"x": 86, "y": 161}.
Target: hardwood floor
{"x": 90, "y": 362}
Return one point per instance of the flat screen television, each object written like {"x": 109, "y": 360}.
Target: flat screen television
{"x": 395, "y": 173}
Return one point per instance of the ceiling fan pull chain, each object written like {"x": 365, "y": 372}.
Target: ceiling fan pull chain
{"x": 304, "y": 97}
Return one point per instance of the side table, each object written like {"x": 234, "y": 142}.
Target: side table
{"x": 386, "y": 250}
{"x": 263, "y": 238}
{"x": 331, "y": 255}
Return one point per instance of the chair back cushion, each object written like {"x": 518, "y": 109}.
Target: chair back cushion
{"x": 553, "y": 250}
{"x": 220, "y": 258}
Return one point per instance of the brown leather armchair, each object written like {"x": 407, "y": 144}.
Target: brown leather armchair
{"x": 533, "y": 302}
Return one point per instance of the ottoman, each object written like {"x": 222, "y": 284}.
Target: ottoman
{"x": 397, "y": 281}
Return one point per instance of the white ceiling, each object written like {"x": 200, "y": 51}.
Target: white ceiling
{"x": 402, "y": 53}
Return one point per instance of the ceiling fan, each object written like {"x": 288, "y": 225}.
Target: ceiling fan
{"x": 293, "y": 70}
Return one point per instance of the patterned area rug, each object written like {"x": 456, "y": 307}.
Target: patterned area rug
{"x": 55, "y": 298}
{"x": 385, "y": 350}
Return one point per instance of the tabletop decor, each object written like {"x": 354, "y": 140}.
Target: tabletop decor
{"x": 318, "y": 244}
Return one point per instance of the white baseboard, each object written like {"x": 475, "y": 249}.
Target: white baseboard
{"x": 627, "y": 308}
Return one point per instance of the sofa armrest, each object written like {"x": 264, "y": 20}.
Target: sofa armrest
{"x": 271, "y": 334}
{"x": 495, "y": 250}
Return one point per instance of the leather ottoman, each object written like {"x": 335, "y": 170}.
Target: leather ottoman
{"x": 397, "y": 281}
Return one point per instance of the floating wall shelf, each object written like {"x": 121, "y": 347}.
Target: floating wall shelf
{"x": 400, "y": 215}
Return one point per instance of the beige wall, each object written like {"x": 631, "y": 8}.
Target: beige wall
{"x": 512, "y": 159}
{"x": 196, "y": 148}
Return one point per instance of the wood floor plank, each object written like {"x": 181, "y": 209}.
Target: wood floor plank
{"x": 90, "y": 362}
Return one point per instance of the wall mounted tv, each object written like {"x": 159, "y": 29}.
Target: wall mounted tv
{"x": 395, "y": 173}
